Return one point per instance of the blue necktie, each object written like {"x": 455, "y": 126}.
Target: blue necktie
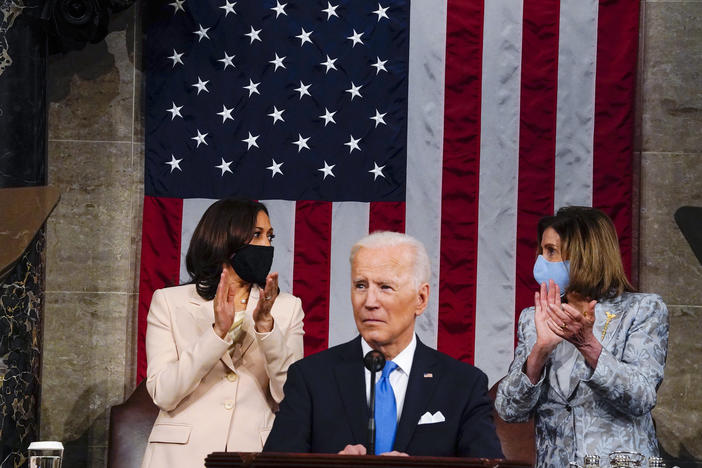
{"x": 385, "y": 411}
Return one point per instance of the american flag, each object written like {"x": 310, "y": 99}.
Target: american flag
{"x": 460, "y": 122}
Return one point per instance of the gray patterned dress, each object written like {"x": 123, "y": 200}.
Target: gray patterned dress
{"x": 602, "y": 410}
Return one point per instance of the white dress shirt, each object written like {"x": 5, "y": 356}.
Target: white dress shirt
{"x": 399, "y": 377}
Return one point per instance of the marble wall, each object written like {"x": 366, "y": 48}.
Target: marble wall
{"x": 96, "y": 159}
{"x": 671, "y": 176}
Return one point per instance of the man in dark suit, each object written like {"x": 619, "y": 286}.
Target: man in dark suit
{"x": 429, "y": 403}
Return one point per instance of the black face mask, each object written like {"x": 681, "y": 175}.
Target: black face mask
{"x": 253, "y": 263}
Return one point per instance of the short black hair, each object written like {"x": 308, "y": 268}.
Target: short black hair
{"x": 227, "y": 225}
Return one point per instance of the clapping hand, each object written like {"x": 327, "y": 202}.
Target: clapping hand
{"x": 224, "y": 304}
{"x": 573, "y": 321}
{"x": 262, "y": 313}
{"x": 546, "y": 338}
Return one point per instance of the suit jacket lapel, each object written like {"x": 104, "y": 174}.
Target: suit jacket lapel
{"x": 419, "y": 391}
{"x": 608, "y": 317}
{"x": 351, "y": 382}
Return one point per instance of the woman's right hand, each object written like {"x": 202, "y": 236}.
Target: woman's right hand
{"x": 545, "y": 337}
{"x": 224, "y": 304}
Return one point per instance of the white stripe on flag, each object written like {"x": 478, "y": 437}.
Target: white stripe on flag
{"x": 425, "y": 133}
{"x": 499, "y": 169}
{"x": 575, "y": 119}
{"x": 282, "y": 216}
{"x": 193, "y": 209}
{"x": 349, "y": 224}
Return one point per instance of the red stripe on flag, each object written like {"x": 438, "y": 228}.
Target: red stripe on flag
{"x": 386, "y": 216}
{"x": 615, "y": 83}
{"x": 160, "y": 260}
{"x": 537, "y": 137}
{"x": 311, "y": 270}
{"x": 459, "y": 209}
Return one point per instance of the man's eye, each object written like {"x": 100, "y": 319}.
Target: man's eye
{"x": 360, "y": 286}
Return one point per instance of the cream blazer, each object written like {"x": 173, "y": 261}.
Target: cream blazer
{"x": 213, "y": 395}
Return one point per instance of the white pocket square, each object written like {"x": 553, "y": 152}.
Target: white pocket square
{"x": 428, "y": 418}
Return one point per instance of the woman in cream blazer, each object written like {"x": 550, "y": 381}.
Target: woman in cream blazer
{"x": 217, "y": 373}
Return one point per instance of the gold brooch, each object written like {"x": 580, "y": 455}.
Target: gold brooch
{"x": 610, "y": 316}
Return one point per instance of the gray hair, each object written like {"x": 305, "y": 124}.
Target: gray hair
{"x": 379, "y": 239}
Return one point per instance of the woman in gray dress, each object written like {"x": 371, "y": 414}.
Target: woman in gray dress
{"x": 591, "y": 351}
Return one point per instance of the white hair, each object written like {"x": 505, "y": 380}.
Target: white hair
{"x": 380, "y": 239}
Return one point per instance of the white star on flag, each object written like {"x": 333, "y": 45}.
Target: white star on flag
{"x": 328, "y": 117}
{"x": 301, "y": 142}
{"x": 177, "y": 5}
{"x": 254, "y": 35}
{"x": 331, "y": 10}
{"x": 379, "y": 65}
{"x": 329, "y": 64}
{"x": 381, "y": 12}
{"x": 201, "y": 33}
{"x": 378, "y": 118}
{"x": 354, "y": 90}
{"x": 275, "y": 168}
{"x": 251, "y": 141}
{"x": 225, "y": 167}
{"x": 227, "y": 113}
{"x": 327, "y": 170}
{"x": 227, "y": 61}
{"x": 304, "y": 36}
{"x": 277, "y": 115}
{"x": 176, "y": 57}
{"x": 303, "y": 89}
{"x": 201, "y": 85}
{"x": 279, "y": 9}
{"x": 174, "y": 163}
{"x": 353, "y": 144}
{"x": 377, "y": 171}
{"x": 200, "y": 138}
{"x": 278, "y": 62}
{"x": 252, "y": 87}
{"x": 356, "y": 38}
{"x": 175, "y": 111}
{"x": 228, "y": 8}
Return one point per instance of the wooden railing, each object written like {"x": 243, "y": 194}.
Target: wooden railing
{"x": 300, "y": 460}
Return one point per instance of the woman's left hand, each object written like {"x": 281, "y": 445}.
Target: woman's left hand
{"x": 574, "y": 322}
{"x": 262, "y": 313}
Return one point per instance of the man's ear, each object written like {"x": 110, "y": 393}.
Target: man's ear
{"x": 422, "y": 299}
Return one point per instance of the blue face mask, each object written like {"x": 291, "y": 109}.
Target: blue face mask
{"x": 559, "y": 272}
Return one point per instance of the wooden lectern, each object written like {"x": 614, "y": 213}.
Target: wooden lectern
{"x": 23, "y": 212}
{"x": 300, "y": 460}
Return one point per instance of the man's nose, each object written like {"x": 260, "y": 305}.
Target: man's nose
{"x": 371, "y": 298}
